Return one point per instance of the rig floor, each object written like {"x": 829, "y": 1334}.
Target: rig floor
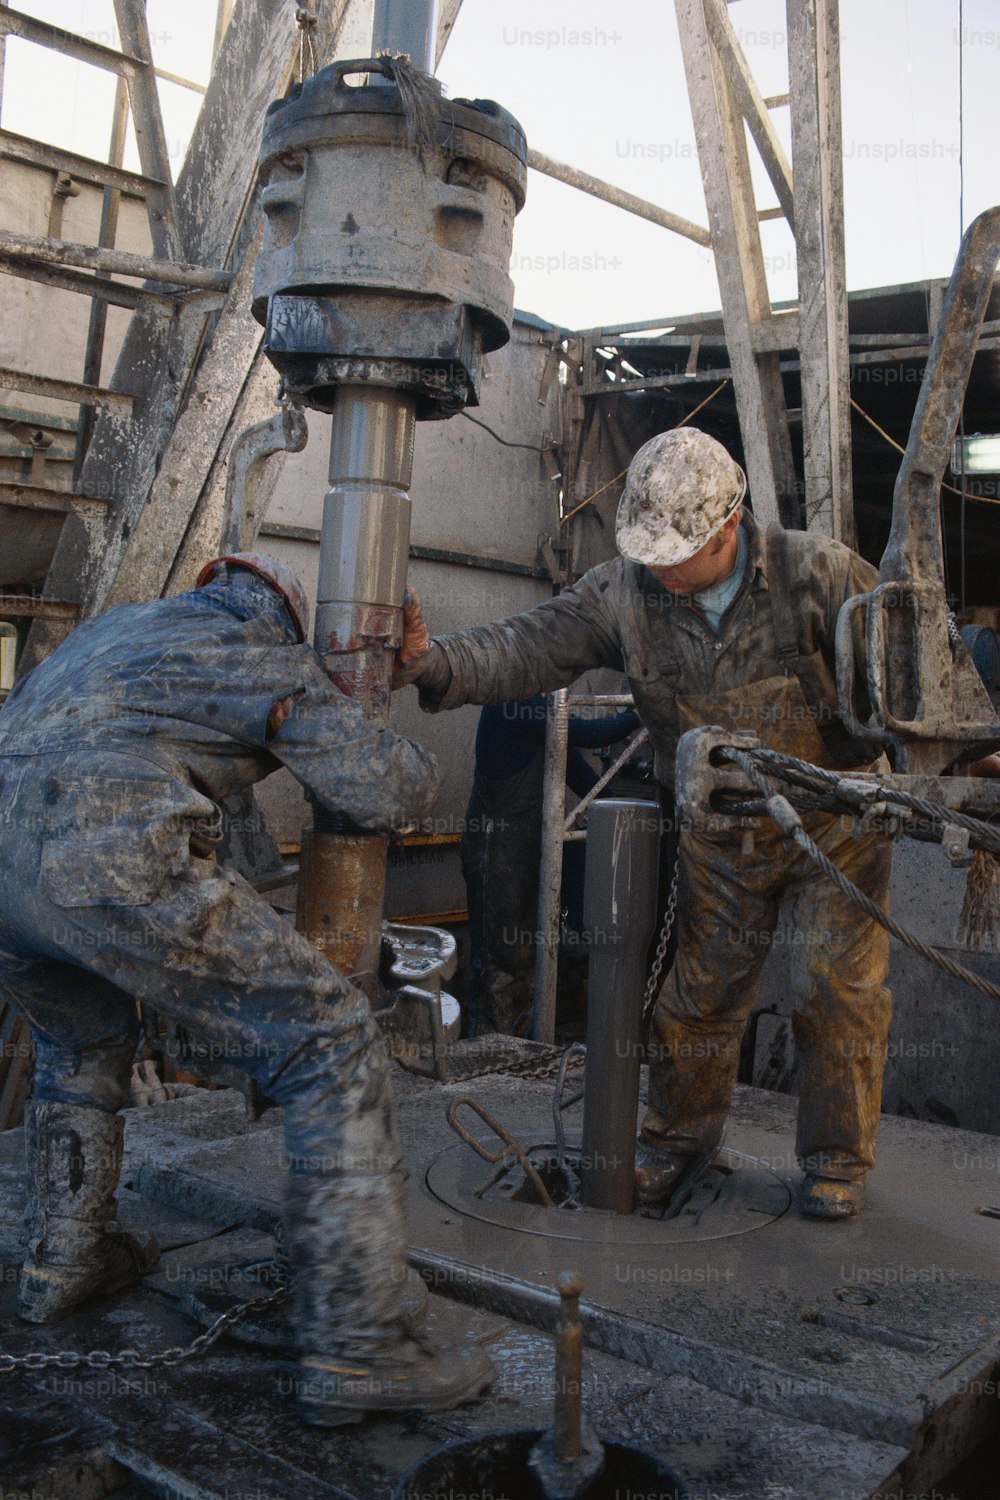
{"x": 755, "y": 1353}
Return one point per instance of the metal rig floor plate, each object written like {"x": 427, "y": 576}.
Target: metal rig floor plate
{"x": 757, "y": 1353}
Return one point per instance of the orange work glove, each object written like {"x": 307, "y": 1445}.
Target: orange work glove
{"x": 415, "y": 638}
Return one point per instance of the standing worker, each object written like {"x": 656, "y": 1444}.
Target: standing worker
{"x": 502, "y": 847}
{"x": 114, "y": 755}
{"x": 714, "y": 624}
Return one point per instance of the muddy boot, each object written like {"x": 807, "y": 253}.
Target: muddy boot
{"x": 76, "y": 1250}
{"x": 658, "y": 1174}
{"x": 346, "y": 1240}
{"x": 407, "y": 1374}
{"x": 831, "y": 1198}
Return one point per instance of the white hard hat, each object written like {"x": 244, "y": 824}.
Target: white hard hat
{"x": 278, "y": 574}
{"x": 682, "y": 486}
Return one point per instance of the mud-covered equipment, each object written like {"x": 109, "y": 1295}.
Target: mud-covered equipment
{"x": 278, "y": 574}
{"x": 682, "y": 486}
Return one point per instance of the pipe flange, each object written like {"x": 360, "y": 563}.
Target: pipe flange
{"x": 441, "y": 390}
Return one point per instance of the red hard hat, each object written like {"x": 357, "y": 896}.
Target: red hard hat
{"x": 278, "y": 574}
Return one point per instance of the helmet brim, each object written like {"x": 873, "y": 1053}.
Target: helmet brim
{"x": 664, "y": 546}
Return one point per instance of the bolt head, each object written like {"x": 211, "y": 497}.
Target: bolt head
{"x": 570, "y": 1283}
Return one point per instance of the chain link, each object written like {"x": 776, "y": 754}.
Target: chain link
{"x": 538, "y": 1065}
{"x": 131, "y": 1359}
{"x": 652, "y": 986}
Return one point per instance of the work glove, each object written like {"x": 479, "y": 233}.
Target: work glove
{"x": 416, "y": 640}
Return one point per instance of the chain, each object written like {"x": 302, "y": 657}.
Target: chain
{"x": 539, "y": 1065}
{"x": 649, "y": 998}
{"x": 130, "y": 1359}
{"x": 545, "y": 1069}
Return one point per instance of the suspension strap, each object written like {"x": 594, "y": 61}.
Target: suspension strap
{"x": 786, "y": 633}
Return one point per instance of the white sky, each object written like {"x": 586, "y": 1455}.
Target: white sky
{"x": 600, "y": 84}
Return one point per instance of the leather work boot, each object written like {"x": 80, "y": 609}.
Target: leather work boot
{"x": 830, "y": 1198}
{"x": 407, "y": 1374}
{"x": 346, "y": 1240}
{"x": 657, "y": 1175}
{"x": 76, "y": 1251}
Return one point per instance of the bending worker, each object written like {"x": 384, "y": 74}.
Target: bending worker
{"x": 502, "y": 847}
{"x": 714, "y": 625}
{"x": 114, "y": 754}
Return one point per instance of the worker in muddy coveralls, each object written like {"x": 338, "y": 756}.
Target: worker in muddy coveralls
{"x": 714, "y": 624}
{"x": 502, "y": 845}
{"x": 114, "y": 754}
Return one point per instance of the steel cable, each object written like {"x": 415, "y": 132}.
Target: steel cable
{"x": 787, "y": 768}
{"x": 791, "y": 827}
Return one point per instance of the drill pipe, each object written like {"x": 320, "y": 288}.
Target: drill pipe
{"x": 362, "y": 575}
{"x": 619, "y": 908}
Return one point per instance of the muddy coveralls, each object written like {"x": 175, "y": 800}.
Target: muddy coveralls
{"x": 501, "y": 848}
{"x": 114, "y": 753}
{"x": 767, "y": 668}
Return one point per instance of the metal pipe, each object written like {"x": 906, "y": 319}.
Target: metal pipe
{"x": 406, "y": 26}
{"x": 602, "y": 700}
{"x": 608, "y": 193}
{"x": 69, "y": 43}
{"x": 914, "y": 549}
{"x": 46, "y": 158}
{"x": 65, "y": 390}
{"x": 359, "y": 606}
{"x": 3, "y": 53}
{"x": 285, "y": 432}
{"x": 184, "y": 83}
{"x": 619, "y": 909}
{"x": 340, "y": 895}
{"x": 224, "y": 11}
{"x": 567, "y": 1434}
{"x": 365, "y": 540}
{"x": 37, "y": 248}
{"x": 543, "y": 1025}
